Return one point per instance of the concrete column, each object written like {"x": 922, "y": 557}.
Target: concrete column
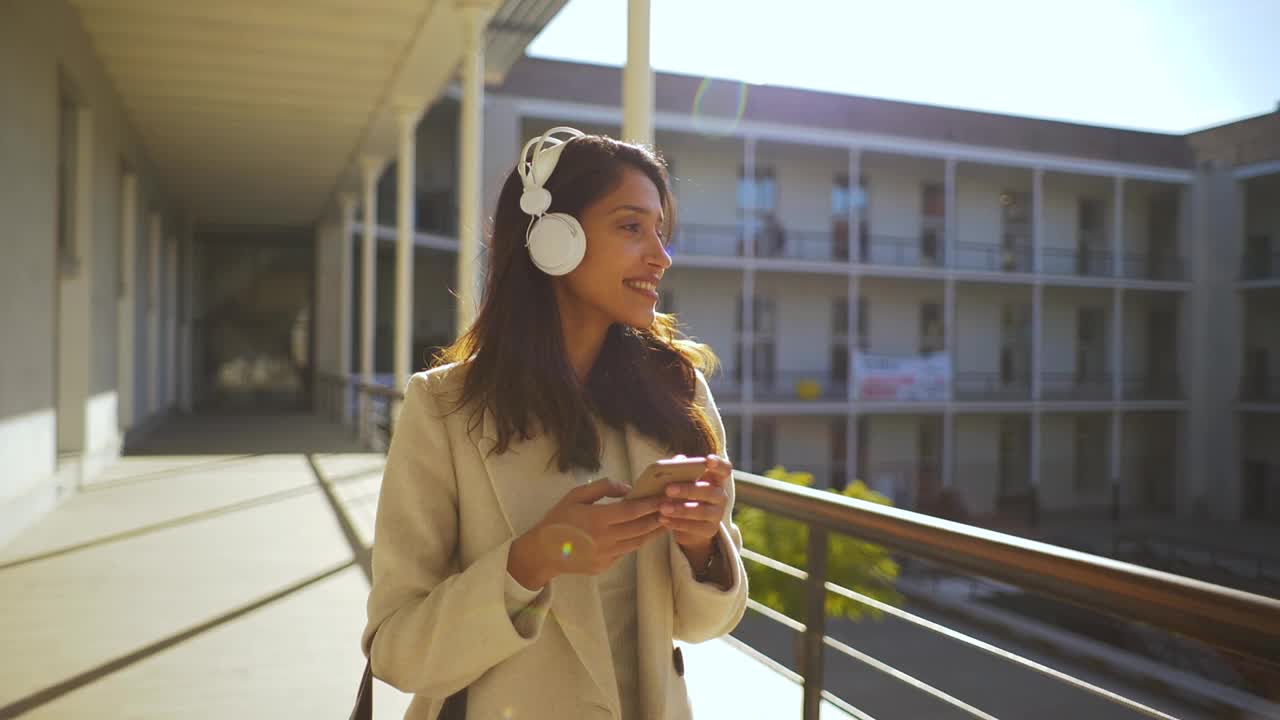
{"x": 950, "y": 227}
{"x": 1117, "y": 345}
{"x": 406, "y": 199}
{"x": 171, "y": 324}
{"x": 1117, "y": 228}
{"x": 471, "y": 135}
{"x": 369, "y": 167}
{"x": 637, "y": 77}
{"x": 347, "y": 212}
{"x": 749, "y": 207}
{"x": 855, "y": 206}
{"x": 949, "y": 415}
{"x": 126, "y": 300}
{"x": 1037, "y": 220}
{"x": 156, "y": 236}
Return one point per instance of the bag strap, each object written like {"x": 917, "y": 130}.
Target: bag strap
{"x": 364, "y": 696}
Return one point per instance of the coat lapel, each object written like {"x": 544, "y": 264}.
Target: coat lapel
{"x": 653, "y": 594}
{"x": 520, "y": 478}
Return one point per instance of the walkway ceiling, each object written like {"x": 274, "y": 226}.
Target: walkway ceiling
{"x": 254, "y": 113}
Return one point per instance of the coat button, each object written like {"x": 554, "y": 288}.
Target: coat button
{"x": 677, "y": 659}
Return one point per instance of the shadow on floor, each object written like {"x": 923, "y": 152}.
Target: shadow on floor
{"x": 256, "y": 434}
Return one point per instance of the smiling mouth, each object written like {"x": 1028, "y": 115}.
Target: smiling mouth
{"x": 647, "y": 289}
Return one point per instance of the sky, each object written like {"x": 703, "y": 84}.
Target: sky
{"x": 1162, "y": 65}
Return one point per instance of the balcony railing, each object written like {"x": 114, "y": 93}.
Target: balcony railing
{"x": 991, "y": 387}
{"x": 994, "y": 258}
{"x": 1238, "y": 626}
{"x": 1140, "y": 266}
{"x": 1265, "y": 389}
{"x": 1077, "y": 261}
{"x": 801, "y": 385}
{"x": 1151, "y": 387}
{"x": 802, "y": 245}
{"x": 1070, "y": 386}
{"x": 714, "y": 240}
{"x": 903, "y": 252}
{"x": 1260, "y": 266}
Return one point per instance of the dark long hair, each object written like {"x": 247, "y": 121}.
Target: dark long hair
{"x": 514, "y": 355}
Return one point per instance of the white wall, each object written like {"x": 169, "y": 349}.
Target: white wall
{"x": 706, "y": 177}
{"x": 804, "y": 315}
{"x": 893, "y": 452}
{"x": 804, "y": 443}
{"x": 38, "y": 38}
{"x": 894, "y": 313}
{"x": 978, "y": 325}
{"x": 1061, "y": 307}
{"x": 804, "y": 176}
{"x": 705, "y": 306}
{"x": 977, "y": 461}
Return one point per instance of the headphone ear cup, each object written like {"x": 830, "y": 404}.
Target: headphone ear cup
{"x": 557, "y": 243}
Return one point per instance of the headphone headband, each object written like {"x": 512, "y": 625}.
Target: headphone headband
{"x": 534, "y": 171}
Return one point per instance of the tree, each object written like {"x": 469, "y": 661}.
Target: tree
{"x": 855, "y": 564}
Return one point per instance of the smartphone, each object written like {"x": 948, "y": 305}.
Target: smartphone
{"x": 661, "y": 473}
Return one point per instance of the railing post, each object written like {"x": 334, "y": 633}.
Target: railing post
{"x": 814, "y": 622}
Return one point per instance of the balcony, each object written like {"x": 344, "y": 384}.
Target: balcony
{"x": 1141, "y": 266}
{"x": 803, "y": 385}
{"x": 1264, "y": 389}
{"x": 1260, "y": 266}
{"x": 1069, "y": 386}
{"x": 710, "y": 240}
{"x": 1084, "y": 262}
{"x": 802, "y": 245}
{"x": 1151, "y": 387}
{"x": 994, "y": 258}
{"x": 895, "y": 251}
{"x": 991, "y": 387}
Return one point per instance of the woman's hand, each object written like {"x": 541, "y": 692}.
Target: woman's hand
{"x": 692, "y": 511}
{"x": 580, "y": 537}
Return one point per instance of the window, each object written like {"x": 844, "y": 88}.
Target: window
{"x": 864, "y": 322}
{"x": 931, "y": 328}
{"x": 839, "y": 453}
{"x": 1090, "y": 346}
{"x": 840, "y": 316}
{"x": 1090, "y": 455}
{"x": 762, "y": 192}
{"x": 839, "y": 364}
{"x": 933, "y": 222}
{"x": 762, "y": 445}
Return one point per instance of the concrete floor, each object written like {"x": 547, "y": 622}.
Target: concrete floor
{"x": 213, "y": 573}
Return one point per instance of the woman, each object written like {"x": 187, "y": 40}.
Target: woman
{"x": 509, "y": 562}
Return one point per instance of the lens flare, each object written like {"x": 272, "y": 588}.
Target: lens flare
{"x": 710, "y": 98}
{"x": 566, "y": 549}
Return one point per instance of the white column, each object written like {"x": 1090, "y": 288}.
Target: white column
{"x": 950, "y": 227}
{"x": 171, "y": 324}
{"x": 1037, "y": 220}
{"x": 186, "y": 376}
{"x": 1117, "y": 227}
{"x": 637, "y": 77}
{"x": 406, "y": 199}
{"x": 748, "y": 302}
{"x": 471, "y": 135}
{"x": 126, "y": 300}
{"x": 369, "y": 167}
{"x": 153, "y": 315}
{"x": 347, "y": 211}
{"x": 855, "y": 206}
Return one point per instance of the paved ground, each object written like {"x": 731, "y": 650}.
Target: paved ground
{"x": 209, "y": 575}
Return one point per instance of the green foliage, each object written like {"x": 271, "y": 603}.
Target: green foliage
{"x": 854, "y": 564}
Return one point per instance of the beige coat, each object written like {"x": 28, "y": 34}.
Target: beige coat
{"x": 434, "y": 630}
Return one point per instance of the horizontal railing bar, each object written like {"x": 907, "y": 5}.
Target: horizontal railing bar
{"x": 1231, "y": 620}
{"x": 846, "y": 707}
{"x": 775, "y": 616}
{"x": 897, "y": 674}
{"x": 994, "y": 650}
{"x": 772, "y": 564}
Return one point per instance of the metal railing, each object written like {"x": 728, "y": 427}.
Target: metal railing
{"x": 1238, "y": 624}
{"x": 1141, "y": 266}
{"x": 802, "y": 245}
{"x": 1151, "y": 387}
{"x": 1265, "y": 389}
{"x": 994, "y": 257}
{"x": 1076, "y": 261}
{"x": 715, "y": 240}
{"x": 903, "y": 252}
{"x": 991, "y": 386}
{"x": 800, "y": 385}
{"x": 1070, "y": 386}
{"x": 1260, "y": 265}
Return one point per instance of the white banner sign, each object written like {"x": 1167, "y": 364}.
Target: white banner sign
{"x": 895, "y": 377}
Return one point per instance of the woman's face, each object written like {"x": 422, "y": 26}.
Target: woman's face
{"x": 617, "y": 280}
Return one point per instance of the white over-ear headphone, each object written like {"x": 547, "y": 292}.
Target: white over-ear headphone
{"x": 556, "y": 242}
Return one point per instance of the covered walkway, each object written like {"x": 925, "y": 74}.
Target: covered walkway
{"x": 215, "y": 572}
